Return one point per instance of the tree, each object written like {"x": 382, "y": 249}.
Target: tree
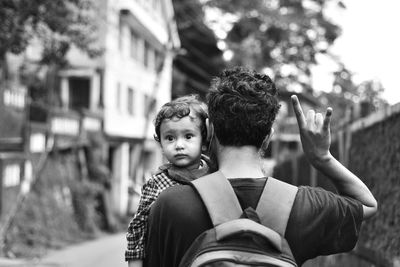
{"x": 57, "y": 24}
{"x": 200, "y": 58}
{"x": 350, "y": 100}
{"x": 371, "y": 92}
{"x": 282, "y": 37}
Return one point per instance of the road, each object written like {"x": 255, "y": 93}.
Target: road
{"x": 107, "y": 251}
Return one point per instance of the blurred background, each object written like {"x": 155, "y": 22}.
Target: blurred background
{"x": 81, "y": 81}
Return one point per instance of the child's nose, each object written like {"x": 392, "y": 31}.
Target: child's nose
{"x": 179, "y": 144}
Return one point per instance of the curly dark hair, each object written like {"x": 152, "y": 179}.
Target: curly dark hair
{"x": 242, "y": 106}
{"x": 182, "y": 107}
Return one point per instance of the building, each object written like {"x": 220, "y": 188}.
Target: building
{"x": 132, "y": 80}
{"x": 114, "y": 96}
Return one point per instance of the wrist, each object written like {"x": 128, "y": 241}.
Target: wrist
{"x": 320, "y": 161}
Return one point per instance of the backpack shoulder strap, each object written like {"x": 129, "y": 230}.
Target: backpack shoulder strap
{"x": 218, "y": 197}
{"x": 275, "y": 204}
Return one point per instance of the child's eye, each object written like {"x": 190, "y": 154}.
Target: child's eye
{"x": 169, "y": 138}
{"x": 189, "y": 136}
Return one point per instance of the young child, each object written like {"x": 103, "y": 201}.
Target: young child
{"x": 181, "y": 130}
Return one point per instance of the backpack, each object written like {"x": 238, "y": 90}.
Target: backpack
{"x": 238, "y": 241}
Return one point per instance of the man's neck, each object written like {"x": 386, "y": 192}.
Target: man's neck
{"x": 239, "y": 162}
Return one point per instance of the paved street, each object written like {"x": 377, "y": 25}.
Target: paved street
{"x": 107, "y": 251}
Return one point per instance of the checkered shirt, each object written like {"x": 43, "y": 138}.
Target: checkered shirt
{"x": 137, "y": 229}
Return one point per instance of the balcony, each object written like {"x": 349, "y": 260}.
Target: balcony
{"x": 12, "y": 119}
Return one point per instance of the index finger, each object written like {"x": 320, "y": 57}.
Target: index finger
{"x": 301, "y": 120}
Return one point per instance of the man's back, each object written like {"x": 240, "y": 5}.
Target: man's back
{"x": 320, "y": 222}
{"x": 242, "y": 107}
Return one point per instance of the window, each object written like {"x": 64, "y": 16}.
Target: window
{"x": 79, "y": 92}
{"x": 293, "y": 145}
{"x": 146, "y": 55}
{"x": 158, "y": 58}
{"x": 112, "y": 150}
{"x": 11, "y": 175}
{"x": 131, "y": 98}
{"x": 146, "y": 104}
{"x": 120, "y": 33}
{"x": 134, "y": 48}
{"x": 152, "y": 59}
{"x": 149, "y": 104}
{"x": 132, "y": 164}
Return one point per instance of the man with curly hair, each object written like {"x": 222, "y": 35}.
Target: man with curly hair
{"x": 242, "y": 108}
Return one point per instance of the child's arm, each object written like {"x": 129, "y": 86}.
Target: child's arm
{"x": 135, "y": 263}
{"x": 316, "y": 140}
{"x": 137, "y": 229}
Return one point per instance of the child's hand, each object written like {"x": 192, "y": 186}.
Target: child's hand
{"x": 314, "y": 133}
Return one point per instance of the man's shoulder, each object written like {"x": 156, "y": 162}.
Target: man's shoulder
{"x": 176, "y": 201}
{"x": 176, "y": 195}
{"x": 177, "y": 191}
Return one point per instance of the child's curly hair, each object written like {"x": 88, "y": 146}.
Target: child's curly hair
{"x": 242, "y": 106}
{"x": 182, "y": 107}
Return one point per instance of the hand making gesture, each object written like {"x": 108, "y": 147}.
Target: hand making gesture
{"x": 315, "y": 132}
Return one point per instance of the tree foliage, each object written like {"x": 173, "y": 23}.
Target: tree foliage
{"x": 283, "y": 36}
{"x": 200, "y": 58}
{"x": 351, "y": 100}
{"x": 56, "y": 23}
{"x": 283, "y": 39}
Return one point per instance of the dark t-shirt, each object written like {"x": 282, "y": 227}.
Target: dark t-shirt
{"x": 320, "y": 222}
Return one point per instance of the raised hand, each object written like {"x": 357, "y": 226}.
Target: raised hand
{"x": 315, "y": 136}
{"x": 314, "y": 133}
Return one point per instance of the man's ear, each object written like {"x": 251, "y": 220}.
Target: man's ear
{"x": 210, "y": 135}
{"x": 271, "y": 133}
{"x": 267, "y": 139}
{"x": 210, "y": 130}
{"x": 269, "y": 136}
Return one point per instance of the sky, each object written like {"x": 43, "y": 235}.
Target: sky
{"x": 369, "y": 45}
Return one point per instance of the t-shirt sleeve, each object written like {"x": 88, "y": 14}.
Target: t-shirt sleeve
{"x": 323, "y": 223}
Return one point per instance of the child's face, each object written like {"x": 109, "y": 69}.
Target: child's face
{"x": 180, "y": 141}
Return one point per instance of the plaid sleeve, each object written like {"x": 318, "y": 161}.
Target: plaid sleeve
{"x": 137, "y": 229}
